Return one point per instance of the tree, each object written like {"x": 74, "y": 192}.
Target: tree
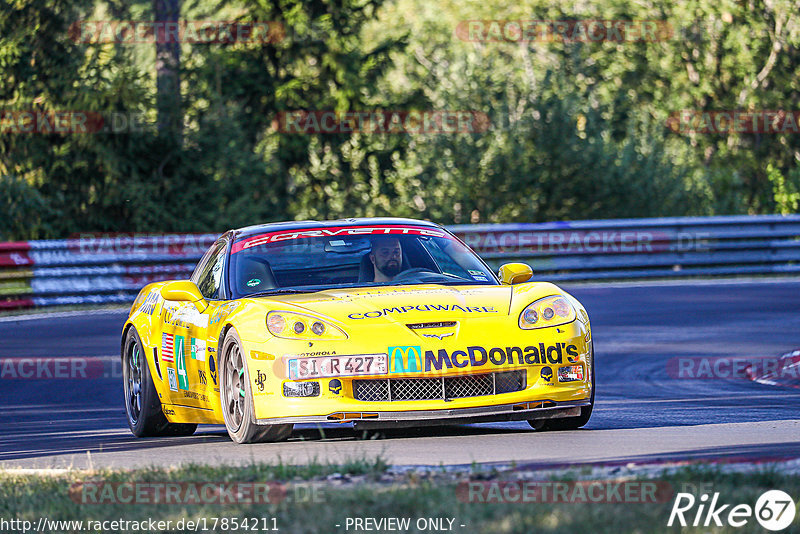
{"x": 168, "y": 64}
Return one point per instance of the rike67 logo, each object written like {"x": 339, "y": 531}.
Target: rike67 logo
{"x": 774, "y": 510}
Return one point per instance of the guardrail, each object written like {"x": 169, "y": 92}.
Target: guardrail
{"x": 93, "y": 268}
{"x": 109, "y": 268}
{"x": 644, "y": 248}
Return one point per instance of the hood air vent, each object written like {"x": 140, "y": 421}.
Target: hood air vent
{"x": 441, "y": 324}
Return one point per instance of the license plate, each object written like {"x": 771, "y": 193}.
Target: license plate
{"x": 329, "y": 366}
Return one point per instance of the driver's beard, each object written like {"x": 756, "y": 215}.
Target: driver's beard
{"x": 390, "y": 269}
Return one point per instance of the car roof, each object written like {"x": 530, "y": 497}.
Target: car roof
{"x": 297, "y": 225}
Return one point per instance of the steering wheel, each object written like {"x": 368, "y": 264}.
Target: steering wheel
{"x": 408, "y": 273}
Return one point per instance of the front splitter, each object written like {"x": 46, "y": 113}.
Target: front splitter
{"x": 519, "y": 411}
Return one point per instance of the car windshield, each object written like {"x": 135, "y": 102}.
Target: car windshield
{"x": 335, "y": 257}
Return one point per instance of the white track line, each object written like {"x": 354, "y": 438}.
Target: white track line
{"x": 34, "y": 316}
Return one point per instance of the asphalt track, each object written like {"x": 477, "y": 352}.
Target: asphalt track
{"x": 644, "y": 412}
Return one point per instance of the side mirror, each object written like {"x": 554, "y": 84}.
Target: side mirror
{"x": 515, "y": 273}
{"x": 183, "y": 291}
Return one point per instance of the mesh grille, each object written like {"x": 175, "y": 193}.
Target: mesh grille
{"x": 371, "y": 390}
{"x": 508, "y": 382}
{"x": 416, "y": 388}
{"x": 469, "y": 386}
{"x": 452, "y": 387}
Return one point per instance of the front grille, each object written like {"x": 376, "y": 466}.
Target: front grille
{"x": 449, "y": 387}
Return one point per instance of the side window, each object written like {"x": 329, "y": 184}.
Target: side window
{"x": 208, "y": 275}
{"x": 446, "y": 264}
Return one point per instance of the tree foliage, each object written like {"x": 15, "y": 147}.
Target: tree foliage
{"x": 578, "y": 129}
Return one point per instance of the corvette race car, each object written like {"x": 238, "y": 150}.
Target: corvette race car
{"x": 376, "y": 322}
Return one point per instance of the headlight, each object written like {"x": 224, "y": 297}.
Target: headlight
{"x": 292, "y": 325}
{"x": 546, "y": 312}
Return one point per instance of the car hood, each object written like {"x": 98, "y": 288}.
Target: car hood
{"x": 428, "y": 303}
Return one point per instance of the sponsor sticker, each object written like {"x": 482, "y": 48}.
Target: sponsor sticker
{"x": 222, "y": 312}
{"x": 405, "y": 359}
{"x": 274, "y": 237}
{"x": 173, "y": 382}
{"x": 149, "y": 304}
{"x": 335, "y": 386}
{"x": 167, "y": 347}
{"x": 212, "y": 368}
{"x": 261, "y": 379}
{"x": 480, "y": 356}
{"x": 478, "y": 275}
{"x": 180, "y": 357}
{"x": 198, "y": 349}
{"x": 547, "y": 374}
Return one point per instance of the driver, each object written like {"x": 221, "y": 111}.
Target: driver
{"x": 386, "y": 258}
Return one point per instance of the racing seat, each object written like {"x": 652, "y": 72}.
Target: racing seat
{"x": 255, "y": 274}
{"x": 366, "y": 272}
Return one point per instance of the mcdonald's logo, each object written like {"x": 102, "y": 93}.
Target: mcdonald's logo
{"x": 405, "y": 359}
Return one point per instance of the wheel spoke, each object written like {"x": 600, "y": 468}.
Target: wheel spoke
{"x": 233, "y": 387}
{"x": 133, "y": 382}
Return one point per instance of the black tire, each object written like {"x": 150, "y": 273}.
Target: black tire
{"x": 237, "y": 401}
{"x": 142, "y": 405}
{"x": 569, "y": 423}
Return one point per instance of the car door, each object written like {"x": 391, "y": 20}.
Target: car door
{"x": 185, "y": 334}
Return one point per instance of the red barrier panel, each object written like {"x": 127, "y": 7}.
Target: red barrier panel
{"x": 14, "y": 259}
{"x": 16, "y": 304}
{"x": 15, "y": 245}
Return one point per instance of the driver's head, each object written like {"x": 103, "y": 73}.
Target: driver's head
{"x": 386, "y": 255}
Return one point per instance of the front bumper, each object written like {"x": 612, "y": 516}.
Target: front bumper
{"x": 542, "y": 395}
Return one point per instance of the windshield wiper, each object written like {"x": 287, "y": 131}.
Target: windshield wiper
{"x": 280, "y": 291}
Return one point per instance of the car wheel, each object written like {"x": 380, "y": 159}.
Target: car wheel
{"x": 569, "y": 423}
{"x": 236, "y": 397}
{"x": 142, "y": 405}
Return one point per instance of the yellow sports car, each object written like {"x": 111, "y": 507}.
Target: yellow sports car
{"x": 378, "y": 322}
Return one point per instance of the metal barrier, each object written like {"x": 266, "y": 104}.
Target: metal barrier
{"x": 643, "y": 248}
{"x": 108, "y": 268}
{"x": 93, "y": 268}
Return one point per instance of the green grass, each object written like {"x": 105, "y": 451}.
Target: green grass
{"x": 319, "y": 496}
